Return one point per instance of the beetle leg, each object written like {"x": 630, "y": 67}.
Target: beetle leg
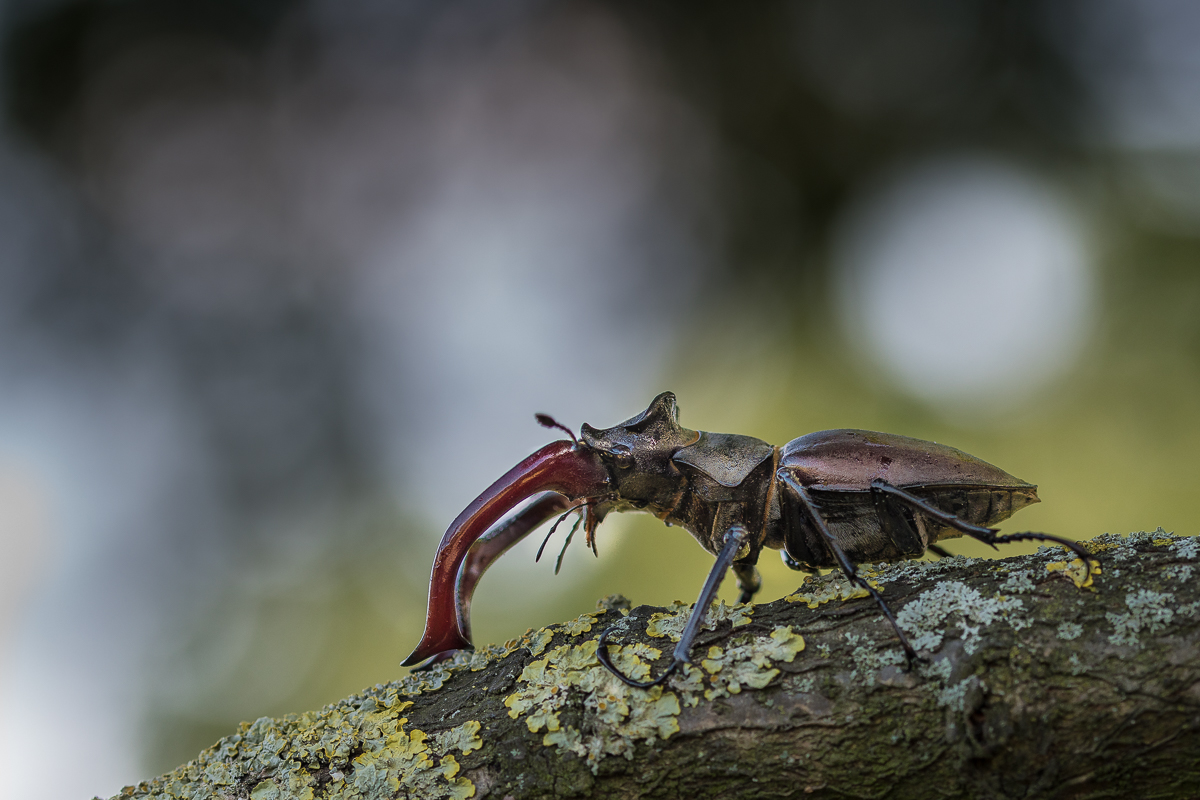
{"x": 734, "y": 541}
{"x": 986, "y": 535}
{"x": 848, "y": 567}
{"x": 749, "y": 581}
{"x": 939, "y": 551}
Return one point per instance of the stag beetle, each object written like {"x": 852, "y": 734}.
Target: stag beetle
{"x": 828, "y": 499}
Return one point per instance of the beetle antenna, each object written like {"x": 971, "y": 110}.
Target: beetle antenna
{"x": 547, "y": 421}
{"x": 563, "y": 552}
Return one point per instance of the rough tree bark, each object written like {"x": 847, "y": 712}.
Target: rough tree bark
{"x": 1035, "y": 684}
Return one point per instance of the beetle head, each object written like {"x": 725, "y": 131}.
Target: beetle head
{"x": 638, "y": 452}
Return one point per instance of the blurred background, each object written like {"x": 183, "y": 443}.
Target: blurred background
{"x": 283, "y": 282}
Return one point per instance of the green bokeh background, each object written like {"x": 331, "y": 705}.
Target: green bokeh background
{"x": 1112, "y": 441}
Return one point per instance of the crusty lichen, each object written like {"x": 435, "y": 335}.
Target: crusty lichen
{"x": 670, "y": 623}
{"x": 615, "y": 716}
{"x": 1148, "y": 610}
{"x": 1082, "y": 574}
{"x": 359, "y": 748}
{"x": 818, "y": 589}
{"x": 924, "y": 619}
{"x": 747, "y": 663}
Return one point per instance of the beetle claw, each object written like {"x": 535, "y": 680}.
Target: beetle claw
{"x": 606, "y": 660}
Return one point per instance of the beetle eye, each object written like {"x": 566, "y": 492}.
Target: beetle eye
{"x": 622, "y": 457}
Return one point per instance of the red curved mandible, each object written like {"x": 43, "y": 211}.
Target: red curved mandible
{"x": 564, "y": 467}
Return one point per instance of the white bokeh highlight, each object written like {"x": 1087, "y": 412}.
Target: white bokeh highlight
{"x": 967, "y": 281}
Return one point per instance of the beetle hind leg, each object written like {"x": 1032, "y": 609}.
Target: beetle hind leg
{"x": 989, "y": 536}
{"x": 849, "y": 569}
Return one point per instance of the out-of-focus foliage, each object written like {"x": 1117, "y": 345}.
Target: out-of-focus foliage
{"x": 282, "y": 284}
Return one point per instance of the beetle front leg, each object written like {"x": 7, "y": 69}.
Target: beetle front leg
{"x": 849, "y": 569}
{"x": 733, "y": 544}
{"x": 985, "y": 535}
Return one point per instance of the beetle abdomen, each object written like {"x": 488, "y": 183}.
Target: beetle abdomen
{"x": 978, "y": 505}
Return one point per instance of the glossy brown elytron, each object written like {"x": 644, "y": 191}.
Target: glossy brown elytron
{"x": 829, "y": 499}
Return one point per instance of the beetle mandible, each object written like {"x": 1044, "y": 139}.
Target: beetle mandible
{"x": 828, "y": 499}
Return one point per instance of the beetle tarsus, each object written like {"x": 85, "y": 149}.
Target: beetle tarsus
{"x": 606, "y": 660}
{"x": 734, "y": 540}
{"x": 1033, "y": 536}
{"x": 939, "y": 551}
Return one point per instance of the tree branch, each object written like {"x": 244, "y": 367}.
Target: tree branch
{"x": 1033, "y": 686}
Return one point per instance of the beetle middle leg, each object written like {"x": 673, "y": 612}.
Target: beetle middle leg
{"x": 986, "y": 535}
{"x": 849, "y": 569}
{"x": 939, "y": 551}
{"x": 749, "y": 581}
{"x": 731, "y": 548}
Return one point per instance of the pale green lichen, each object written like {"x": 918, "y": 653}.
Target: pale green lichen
{"x": 747, "y": 663}
{"x": 573, "y": 674}
{"x": 1018, "y": 582}
{"x": 924, "y": 619}
{"x": 1149, "y": 611}
{"x": 1116, "y": 546}
{"x": 1187, "y": 549}
{"x": 869, "y": 659}
{"x": 672, "y": 622}
{"x": 938, "y": 670}
{"x": 915, "y": 570}
{"x": 1179, "y": 572}
{"x": 581, "y": 624}
{"x": 954, "y": 696}
{"x": 1068, "y": 631}
{"x": 539, "y": 641}
{"x": 464, "y": 738}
